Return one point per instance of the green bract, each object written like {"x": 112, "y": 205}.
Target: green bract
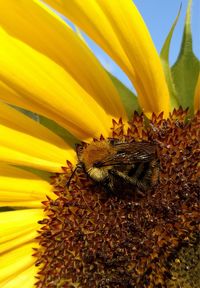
{"x": 183, "y": 75}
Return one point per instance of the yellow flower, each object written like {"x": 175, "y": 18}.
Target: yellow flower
{"x": 47, "y": 69}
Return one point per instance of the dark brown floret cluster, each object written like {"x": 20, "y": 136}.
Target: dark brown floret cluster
{"x": 93, "y": 240}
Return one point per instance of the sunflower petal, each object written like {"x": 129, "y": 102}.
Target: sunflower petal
{"x": 46, "y": 88}
{"x": 26, "y": 142}
{"x": 17, "y": 223}
{"x": 24, "y": 279}
{"x": 89, "y": 16}
{"x": 22, "y": 188}
{"x": 16, "y": 261}
{"x": 14, "y": 119}
{"x": 17, "y": 242}
{"x": 120, "y": 30}
{"x": 72, "y": 54}
{"x": 17, "y": 233}
{"x": 44, "y": 70}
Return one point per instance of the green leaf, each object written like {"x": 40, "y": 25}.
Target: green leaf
{"x": 30, "y": 114}
{"x": 164, "y": 55}
{"x": 128, "y": 98}
{"x": 186, "y": 69}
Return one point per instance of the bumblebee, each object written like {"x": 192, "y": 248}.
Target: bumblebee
{"x": 120, "y": 166}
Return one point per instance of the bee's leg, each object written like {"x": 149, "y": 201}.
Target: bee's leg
{"x": 147, "y": 175}
{"x": 78, "y": 166}
{"x": 107, "y": 185}
{"x": 111, "y": 185}
{"x": 140, "y": 187}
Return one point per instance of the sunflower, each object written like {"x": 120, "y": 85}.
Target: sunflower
{"x": 54, "y": 94}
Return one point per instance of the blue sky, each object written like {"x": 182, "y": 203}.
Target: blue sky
{"x": 159, "y": 16}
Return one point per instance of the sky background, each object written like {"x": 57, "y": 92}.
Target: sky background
{"x": 158, "y": 16}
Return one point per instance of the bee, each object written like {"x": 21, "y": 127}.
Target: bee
{"x": 117, "y": 165}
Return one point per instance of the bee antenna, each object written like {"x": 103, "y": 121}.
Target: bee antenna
{"x": 79, "y": 165}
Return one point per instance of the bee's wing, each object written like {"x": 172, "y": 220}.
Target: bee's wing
{"x": 129, "y": 153}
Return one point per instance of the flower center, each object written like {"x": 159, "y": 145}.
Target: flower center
{"x": 106, "y": 231}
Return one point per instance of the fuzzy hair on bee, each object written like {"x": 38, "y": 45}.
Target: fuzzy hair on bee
{"x": 120, "y": 166}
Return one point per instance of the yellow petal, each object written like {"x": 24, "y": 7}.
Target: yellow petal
{"x": 43, "y": 85}
{"x": 72, "y": 54}
{"x": 26, "y": 142}
{"x": 14, "y": 224}
{"x": 16, "y": 120}
{"x": 120, "y": 30}
{"x": 89, "y": 16}
{"x": 23, "y": 279}
{"x": 22, "y": 204}
{"x": 56, "y": 82}
{"x": 17, "y": 158}
{"x": 22, "y": 188}
{"x": 197, "y": 95}
{"x": 16, "y": 261}
{"x": 19, "y": 241}
{"x": 17, "y": 232}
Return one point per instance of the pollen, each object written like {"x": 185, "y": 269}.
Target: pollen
{"x": 92, "y": 239}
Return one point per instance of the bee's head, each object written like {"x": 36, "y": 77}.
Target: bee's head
{"x": 92, "y": 157}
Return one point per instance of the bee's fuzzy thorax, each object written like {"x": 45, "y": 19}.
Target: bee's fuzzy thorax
{"x": 94, "y": 152}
